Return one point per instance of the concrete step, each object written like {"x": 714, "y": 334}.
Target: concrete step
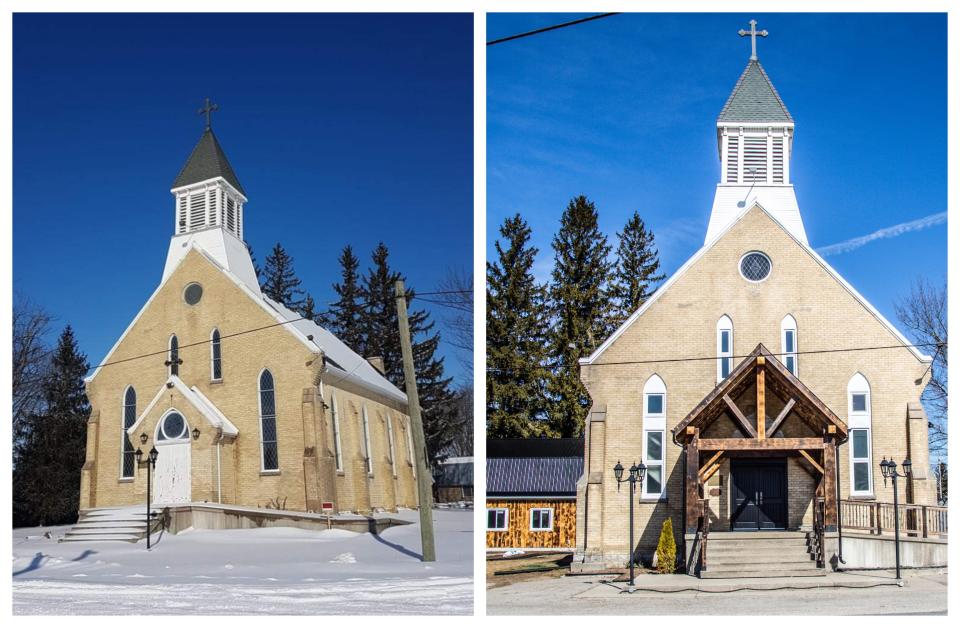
{"x": 125, "y": 523}
{"x": 98, "y": 539}
{"x": 801, "y": 565}
{"x": 105, "y": 531}
{"x": 770, "y": 572}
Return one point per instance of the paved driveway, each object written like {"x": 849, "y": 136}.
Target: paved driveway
{"x": 925, "y": 592}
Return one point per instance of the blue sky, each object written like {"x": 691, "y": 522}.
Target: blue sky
{"x": 343, "y": 129}
{"x": 624, "y": 110}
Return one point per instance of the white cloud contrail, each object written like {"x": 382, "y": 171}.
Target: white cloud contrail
{"x": 887, "y": 232}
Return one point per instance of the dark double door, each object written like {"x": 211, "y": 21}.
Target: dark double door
{"x": 759, "y": 491}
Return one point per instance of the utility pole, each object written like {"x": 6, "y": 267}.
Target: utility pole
{"x": 424, "y": 490}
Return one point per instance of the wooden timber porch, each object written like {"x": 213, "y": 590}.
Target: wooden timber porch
{"x": 750, "y": 437}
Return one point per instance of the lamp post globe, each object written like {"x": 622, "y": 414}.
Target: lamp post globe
{"x": 907, "y": 466}
{"x": 641, "y": 471}
{"x": 153, "y": 455}
{"x": 618, "y": 471}
{"x": 138, "y": 454}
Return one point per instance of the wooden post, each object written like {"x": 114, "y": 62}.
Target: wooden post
{"x": 830, "y": 485}
{"x": 761, "y": 399}
{"x": 419, "y": 442}
{"x": 692, "y": 487}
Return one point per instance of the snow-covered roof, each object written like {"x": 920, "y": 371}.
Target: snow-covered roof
{"x": 197, "y": 399}
{"x": 709, "y": 245}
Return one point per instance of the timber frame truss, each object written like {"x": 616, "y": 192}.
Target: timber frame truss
{"x": 817, "y": 454}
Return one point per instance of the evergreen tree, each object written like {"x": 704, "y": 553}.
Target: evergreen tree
{"x": 346, "y": 315}
{"x": 580, "y": 310}
{"x": 279, "y": 281}
{"x": 309, "y": 309}
{"x": 52, "y": 448}
{"x": 516, "y": 337}
{"x": 381, "y": 332}
{"x": 636, "y": 273}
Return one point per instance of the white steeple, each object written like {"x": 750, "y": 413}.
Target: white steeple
{"x": 755, "y": 142}
{"x": 208, "y": 209}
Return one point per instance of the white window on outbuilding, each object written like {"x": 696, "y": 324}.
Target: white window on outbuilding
{"x": 788, "y": 343}
{"x": 859, "y": 422}
{"x": 541, "y": 519}
{"x": 724, "y": 347}
{"x": 497, "y": 519}
{"x": 654, "y": 431}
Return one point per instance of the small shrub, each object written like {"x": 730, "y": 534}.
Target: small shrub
{"x": 666, "y": 549}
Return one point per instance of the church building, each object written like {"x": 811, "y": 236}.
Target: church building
{"x": 246, "y": 403}
{"x": 745, "y": 387}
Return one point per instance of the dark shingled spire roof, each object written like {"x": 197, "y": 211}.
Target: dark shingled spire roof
{"x": 754, "y": 99}
{"x": 207, "y": 161}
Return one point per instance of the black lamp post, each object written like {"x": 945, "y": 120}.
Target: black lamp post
{"x": 151, "y": 463}
{"x": 889, "y": 470}
{"x": 636, "y": 475}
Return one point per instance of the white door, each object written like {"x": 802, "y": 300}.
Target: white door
{"x": 171, "y": 479}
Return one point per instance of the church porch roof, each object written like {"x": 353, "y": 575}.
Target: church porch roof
{"x": 195, "y": 398}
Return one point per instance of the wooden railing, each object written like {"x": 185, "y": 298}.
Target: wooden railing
{"x": 819, "y": 517}
{"x": 878, "y": 518}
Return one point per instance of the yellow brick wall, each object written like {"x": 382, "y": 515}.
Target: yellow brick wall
{"x": 682, "y": 323}
{"x": 304, "y": 425}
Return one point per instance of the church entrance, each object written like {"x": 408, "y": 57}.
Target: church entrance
{"x": 171, "y": 483}
{"x": 758, "y": 489}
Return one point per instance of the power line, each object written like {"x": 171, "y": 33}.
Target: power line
{"x": 741, "y": 357}
{"x": 550, "y": 28}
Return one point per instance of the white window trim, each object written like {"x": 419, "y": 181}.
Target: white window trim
{"x": 654, "y": 422}
{"x": 260, "y": 420}
{"x": 789, "y": 324}
{"x": 534, "y": 510}
{"x": 337, "y": 446}
{"x": 860, "y": 421}
{"x": 506, "y": 519}
{"x": 725, "y": 323}
{"x": 219, "y": 342}
{"x": 367, "y": 451}
{"x": 123, "y": 430}
{"x": 393, "y": 458}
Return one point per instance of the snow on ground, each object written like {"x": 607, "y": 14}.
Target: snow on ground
{"x": 260, "y": 571}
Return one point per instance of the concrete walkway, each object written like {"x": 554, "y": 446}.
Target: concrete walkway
{"x": 847, "y": 593}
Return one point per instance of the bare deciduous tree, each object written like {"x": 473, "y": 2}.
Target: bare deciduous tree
{"x": 924, "y": 313}
{"x": 457, "y": 287}
{"x": 31, "y": 358}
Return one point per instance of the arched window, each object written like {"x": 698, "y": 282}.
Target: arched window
{"x": 337, "y": 448}
{"x": 174, "y": 356}
{"x": 216, "y": 364}
{"x": 126, "y": 445}
{"x": 788, "y": 343}
{"x": 269, "y": 456}
{"x": 859, "y": 422}
{"x": 368, "y": 454}
{"x": 654, "y": 429}
{"x": 393, "y": 460}
{"x": 724, "y": 347}
{"x": 173, "y": 427}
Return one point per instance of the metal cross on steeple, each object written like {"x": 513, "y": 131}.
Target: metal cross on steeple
{"x": 753, "y": 32}
{"x": 208, "y": 109}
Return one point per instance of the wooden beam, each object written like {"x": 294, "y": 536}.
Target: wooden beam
{"x": 829, "y": 485}
{"x": 782, "y": 416}
{"x": 770, "y": 444}
{"x": 713, "y": 459}
{"x": 761, "y": 400}
{"x": 710, "y": 473}
{"x": 740, "y": 418}
{"x": 810, "y": 459}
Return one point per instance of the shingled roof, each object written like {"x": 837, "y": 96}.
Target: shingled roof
{"x": 207, "y": 161}
{"x": 534, "y": 466}
{"x": 754, "y": 99}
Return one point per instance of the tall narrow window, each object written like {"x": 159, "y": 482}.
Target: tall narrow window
{"x": 408, "y": 428}
{"x": 174, "y": 356}
{"x": 724, "y": 348}
{"x": 654, "y": 427}
{"x": 216, "y": 364}
{"x": 337, "y": 450}
{"x": 393, "y": 459}
{"x": 126, "y": 446}
{"x": 788, "y": 343}
{"x": 859, "y": 422}
{"x": 368, "y": 454}
{"x": 269, "y": 456}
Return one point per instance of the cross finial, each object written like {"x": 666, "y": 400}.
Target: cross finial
{"x": 754, "y": 33}
{"x": 207, "y": 109}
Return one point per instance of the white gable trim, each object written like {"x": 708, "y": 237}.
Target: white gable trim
{"x": 206, "y": 408}
{"x": 313, "y": 347}
{"x": 696, "y": 256}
